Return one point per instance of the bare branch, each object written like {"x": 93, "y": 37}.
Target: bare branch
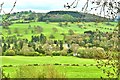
{"x": 13, "y": 6}
{"x": 108, "y": 8}
{"x": 1, "y": 5}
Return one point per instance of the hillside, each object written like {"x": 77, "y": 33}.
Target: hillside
{"x": 74, "y": 16}
{"x": 53, "y": 16}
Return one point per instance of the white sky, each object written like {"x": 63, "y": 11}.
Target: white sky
{"x": 38, "y": 5}
{"x": 41, "y": 5}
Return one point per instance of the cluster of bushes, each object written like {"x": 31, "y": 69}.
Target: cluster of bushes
{"x": 91, "y": 53}
{"x": 31, "y": 54}
{"x": 81, "y": 52}
{"x": 11, "y": 52}
{"x": 56, "y": 53}
{"x": 94, "y": 52}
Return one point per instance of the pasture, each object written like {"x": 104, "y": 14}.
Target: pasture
{"x": 47, "y": 28}
{"x": 70, "y": 71}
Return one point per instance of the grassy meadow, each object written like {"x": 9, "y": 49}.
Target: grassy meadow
{"x": 70, "y": 71}
{"x": 47, "y": 28}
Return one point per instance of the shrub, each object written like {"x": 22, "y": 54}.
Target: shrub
{"x": 66, "y": 23}
{"x": 10, "y": 52}
{"x": 55, "y": 30}
{"x": 4, "y": 66}
{"x": 70, "y": 54}
{"x": 47, "y": 21}
{"x": 36, "y": 64}
{"x": 74, "y": 64}
{"x": 66, "y": 64}
{"x": 30, "y": 65}
{"x": 57, "y": 64}
{"x": 31, "y": 54}
{"x": 60, "y": 24}
{"x": 91, "y": 65}
{"x": 70, "y": 32}
{"x": 81, "y": 52}
{"x": 51, "y": 36}
{"x": 19, "y": 53}
{"x": 91, "y": 52}
{"x": 41, "y": 54}
{"x": 99, "y": 52}
{"x": 84, "y": 65}
{"x": 10, "y": 65}
{"x": 64, "y": 52}
{"x": 28, "y": 51}
{"x": 56, "y": 53}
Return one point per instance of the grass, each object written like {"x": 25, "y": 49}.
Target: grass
{"x": 71, "y": 71}
{"x": 21, "y": 60}
{"x": 47, "y": 28}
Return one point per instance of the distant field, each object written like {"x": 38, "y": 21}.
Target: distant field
{"x": 71, "y": 71}
{"x": 21, "y": 60}
{"x": 47, "y": 28}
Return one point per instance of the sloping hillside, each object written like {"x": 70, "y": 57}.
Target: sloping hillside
{"x": 56, "y": 16}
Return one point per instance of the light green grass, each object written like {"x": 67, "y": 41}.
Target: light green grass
{"x": 71, "y": 71}
{"x": 21, "y": 60}
{"x": 47, "y": 28}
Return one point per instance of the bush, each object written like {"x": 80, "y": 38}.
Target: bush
{"x": 51, "y": 36}
{"x": 19, "y": 53}
{"x": 70, "y": 54}
{"x": 36, "y": 64}
{"x": 10, "y": 52}
{"x": 56, "y": 53}
{"x": 31, "y": 54}
{"x": 70, "y": 32}
{"x": 91, "y": 52}
{"x": 47, "y": 21}
{"x": 10, "y": 65}
{"x": 81, "y": 52}
{"x": 99, "y": 52}
{"x": 4, "y": 66}
{"x": 60, "y": 24}
{"x": 57, "y": 64}
{"x": 64, "y": 52}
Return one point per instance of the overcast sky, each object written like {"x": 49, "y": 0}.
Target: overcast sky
{"x": 38, "y": 5}
{"x": 42, "y": 5}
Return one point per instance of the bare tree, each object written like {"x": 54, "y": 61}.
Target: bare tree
{"x": 2, "y": 10}
{"x": 5, "y": 21}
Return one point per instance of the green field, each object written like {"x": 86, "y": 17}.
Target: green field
{"x": 21, "y": 60}
{"x": 47, "y": 28}
{"x": 71, "y": 71}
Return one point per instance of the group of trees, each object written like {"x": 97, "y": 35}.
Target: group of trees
{"x": 73, "y": 44}
{"x": 70, "y": 16}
